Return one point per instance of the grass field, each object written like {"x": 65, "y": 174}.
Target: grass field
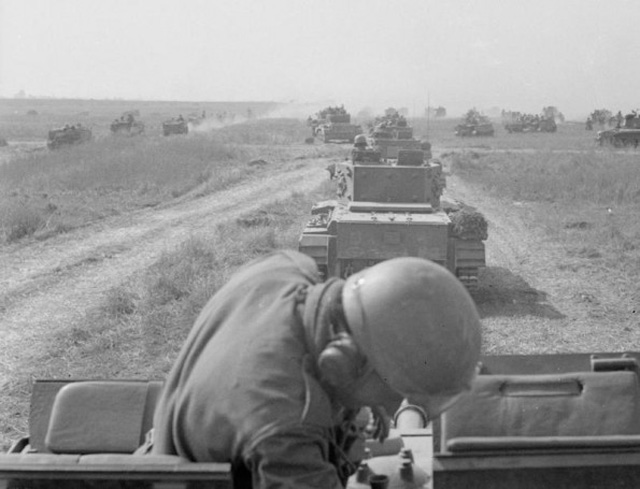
{"x": 48, "y": 192}
{"x": 31, "y": 119}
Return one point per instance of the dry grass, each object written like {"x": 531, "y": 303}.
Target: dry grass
{"x": 574, "y": 282}
{"x": 47, "y": 193}
{"x": 138, "y": 330}
{"x": 602, "y": 178}
{"x": 587, "y": 201}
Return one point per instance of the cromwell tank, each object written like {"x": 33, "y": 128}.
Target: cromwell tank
{"x": 127, "y": 125}
{"x": 475, "y": 124}
{"x": 175, "y": 126}
{"x": 626, "y": 135}
{"x": 385, "y": 211}
{"x": 392, "y": 133}
{"x": 333, "y": 125}
{"x": 68, "y": 135}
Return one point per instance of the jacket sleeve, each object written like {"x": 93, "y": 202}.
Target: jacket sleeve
{"x": 296, "y": 459}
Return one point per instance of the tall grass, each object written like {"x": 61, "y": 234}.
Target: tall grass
{"x": 50, "y": 192}
{"x": 599, "y": 178}
{"x": 588, "y": 202}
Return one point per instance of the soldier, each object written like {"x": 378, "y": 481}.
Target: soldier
{"x": 362, "y": 152}
{"x": 278, "y": 365}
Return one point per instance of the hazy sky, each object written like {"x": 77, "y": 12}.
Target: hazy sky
{"x": 513, "y": 54}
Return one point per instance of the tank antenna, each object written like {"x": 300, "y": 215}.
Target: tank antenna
{"x": 428, "y": 114}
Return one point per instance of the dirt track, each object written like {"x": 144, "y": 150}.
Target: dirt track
{"x": 536, "y": 298}
{"x": 48, "y": 285}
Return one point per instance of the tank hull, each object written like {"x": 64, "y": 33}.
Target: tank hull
{"x": 619, "y": 137}
{"x": 169, "y": 128}
{"x": 68, "y": 137}
{"x": 386, "y": 211}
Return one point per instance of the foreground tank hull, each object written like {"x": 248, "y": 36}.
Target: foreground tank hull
{"x": 528, "y": 422}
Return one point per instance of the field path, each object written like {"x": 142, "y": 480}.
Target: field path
{"x": 49, "y": 285}
{"x": 535, "y": 297}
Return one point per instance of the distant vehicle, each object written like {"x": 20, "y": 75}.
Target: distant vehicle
{"x": 477, "y": 129}
{"x": 392, "y": 133}
{"x": 333, "y": 125}
{"x": 194, "y": 119}
{"x": 437, "y": 112}
{"x": 68, "y": 135}
{"x": 627, "y": 134}
{"x": 175, "y": 126}
{"x": 127, "y": 125}
{"x": 521, "y": 122}
{"x": 475, "y": 124}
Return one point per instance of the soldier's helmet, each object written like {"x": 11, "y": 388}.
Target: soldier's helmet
{"x": 360, "y": 141}
{"x": 418, "y": 326}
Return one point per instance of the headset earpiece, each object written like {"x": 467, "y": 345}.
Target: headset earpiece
{"x": 339, "y": 362}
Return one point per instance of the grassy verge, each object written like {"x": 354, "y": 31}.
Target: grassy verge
{"x": 52, "y": 192}
{"x": 140, "y": 327}
{"x": 589, "y": 202}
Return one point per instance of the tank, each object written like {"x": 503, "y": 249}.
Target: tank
{"x": 474, "y": 124}
{"x": 127, "y": 125}
{"x": 521, "y": 122}
{"x": 175, "y": 126}
{"x": 68, "y": 135}
{"x": 333, "y": 125}
{"x": 384, "y": 211}
{"x": 392, "y": 133}
{"x": 627, "y": 134}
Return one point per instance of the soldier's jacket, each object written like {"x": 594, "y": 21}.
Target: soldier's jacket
{"x": 243, "y": 387}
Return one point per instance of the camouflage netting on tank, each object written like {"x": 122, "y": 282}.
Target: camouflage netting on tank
{"x": 469, "y": 224}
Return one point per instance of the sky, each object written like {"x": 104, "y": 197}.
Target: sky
{"x": 522, "y": 55}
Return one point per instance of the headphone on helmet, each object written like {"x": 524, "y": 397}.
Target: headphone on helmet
{"x": 341, "y": 363}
